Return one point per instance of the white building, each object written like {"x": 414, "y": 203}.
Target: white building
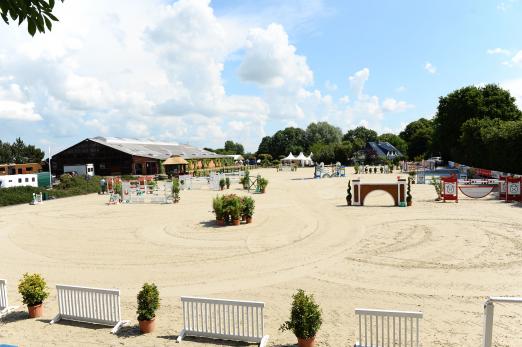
{"x": 9, "y": 181}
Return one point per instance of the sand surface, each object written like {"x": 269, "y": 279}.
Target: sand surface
{"x": 443, "y": 259}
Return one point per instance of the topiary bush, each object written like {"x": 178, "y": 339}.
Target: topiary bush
{"x": 217, "y": 207}
{"x": 148, "y": 302}
{"x": 248, "y": 206}
{"x": 33, "y": 289}
{"x": 305, "y": 316}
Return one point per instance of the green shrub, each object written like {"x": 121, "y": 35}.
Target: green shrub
{"x": 148, "y": 302}
{"x": 227, "y": 182}
{"x": 248, "y": 206}
{"x": 262, "y": 183}
{"x": 222, "y": 183}
{"x": 408, "y": 192}
{"x": 33, "y": 289}
{"x": 175, "y": 189}
{"x": 305, "y": 316}
{"x": 232, "y": 207}
{"x": 217, "y": 206}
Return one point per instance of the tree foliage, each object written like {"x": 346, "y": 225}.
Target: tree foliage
{"x": 359, "y": 137}
{"x": 418, "y": 137}
{"x": 394, "y": 140}
{"x": 18, "y": 152}
{"x": 462, "y": 105}
{"x": 322, "y": 132}
{"x": 37, "y": 13}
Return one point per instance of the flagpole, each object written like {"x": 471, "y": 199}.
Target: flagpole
{"x": 50, "y": 174}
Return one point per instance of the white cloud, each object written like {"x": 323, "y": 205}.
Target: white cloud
{"x": 271, "y": 61}
{"x": 14, "y": 104}
{"x": 358, "y": 80}
{"x": 430, "y": 68}
{"x": 392, "y": 105}
{"x": 498, "y": 51}
{"x": 400, "y": 89}
{"x": 517, "y": 58}
{"x": 330, "y": 86}
{"x": 515, "y": 88}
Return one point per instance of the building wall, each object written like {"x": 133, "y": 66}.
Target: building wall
{"x": 8, "y": 181}
{"x": 107, "y": 161}
{"x": 20, "y": 169}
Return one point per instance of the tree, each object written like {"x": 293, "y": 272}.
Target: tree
{"x": 18, "y": 152}
{"x": 265, "y": 145}
{"x": 323, "y": 153}
{"x": 234, "y": 148}
{"x": 359, "y": 137}
{"x": 395, "y": 141}
{"x": 418, "y": 137}
{"x": 322, "y": 132}
{"x": 455, "y": 109}
{"x": 38, "y": 13}
{"x": 343, "y": 152}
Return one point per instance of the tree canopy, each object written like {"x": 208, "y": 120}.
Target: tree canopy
{"x": 462, "y": 105}
{"x": 18, "y": 152}
{"x": 394, "y": 140}
{"x": 418, "y": 137}
{"x": 359, "y": 137}
{"x": 37, "y": 13}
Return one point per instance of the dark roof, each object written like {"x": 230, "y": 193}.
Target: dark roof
{"x": 382, "y": 149}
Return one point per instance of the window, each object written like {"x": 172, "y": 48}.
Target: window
{"x": 19, "y": 170}
{"x": 32, "y": 179}
{"x": 19, "y": 180}
{"x": 28, "y": 169}
{"x": 27, "y": 179}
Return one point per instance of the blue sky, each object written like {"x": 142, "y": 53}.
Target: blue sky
{"x": 201, "y": 72}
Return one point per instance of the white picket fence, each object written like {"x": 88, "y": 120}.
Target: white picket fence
{"x": 489, "y": 309}
{"x": 383, "y": 328}
{"x": 4, "y": 303}
{"x": 223, "y": 319}
{"x": 89, "y": 305}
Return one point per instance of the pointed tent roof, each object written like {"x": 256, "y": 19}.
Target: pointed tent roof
{"x": 301, "y": 156}
{"x": 290, "y": 157}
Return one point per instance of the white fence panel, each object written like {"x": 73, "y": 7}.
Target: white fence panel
{"x": 89, "y": 305}
{"x": 387, "y": 328}
{"x": 4, "y": 303}
{"x": 223, "y": 319}
{"x": 489, "y": 310}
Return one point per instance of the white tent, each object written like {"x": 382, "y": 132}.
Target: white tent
{"x": 303, "y": 160}
{"x": 310, "y": 161}
{"x": 290, "y": 158}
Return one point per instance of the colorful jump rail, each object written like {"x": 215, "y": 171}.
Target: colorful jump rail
{"x": 508, "y": 188}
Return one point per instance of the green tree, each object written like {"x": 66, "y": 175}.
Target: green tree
{"x": 322, "y": 132}
{"x": 18, "y": 152}
{"x": 38, "y": 13}
{"x": 232, "y": 147}
{"x": 343, "y": 152}
{"x": 395, "y": 141}
{"x": 418, "y": 137}
{"x": 265, "y": 145}
{"x": 455, "y": 109}
{"x": 287, "y": 140}
{"x": 359, "y": 137}
{"x": 323, "y": 153}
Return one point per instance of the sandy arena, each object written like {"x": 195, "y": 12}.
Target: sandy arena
{"x": 443, "y": 259}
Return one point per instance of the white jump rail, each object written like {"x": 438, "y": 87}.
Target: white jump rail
{"x": 384, "y": 328}
{"x": 223, "y": 319}
{"x": 489, "y": 309}
{"x": 89, "y": 305}
{"x": 4, "y": 303}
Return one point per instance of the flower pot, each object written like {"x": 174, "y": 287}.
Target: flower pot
{"x": 408, "y": 202}
{"x": 220, "y": 222}
{"x": 244, "y": 218}
{"x": 236, "y": 221}
{"x": 35, "y": 311}
{"x": 147, "y": 326}
{"x": 249, "y": 219}
{"x": 263, "y": 190}
{"x": 309, "y": 342}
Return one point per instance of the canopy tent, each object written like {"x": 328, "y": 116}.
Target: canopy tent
{"x": 175, "y": 165}
{"x": 289, "y": 158}
{"x": 303, "y": 160}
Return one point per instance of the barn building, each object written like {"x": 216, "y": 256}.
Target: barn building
{"x": 113, "y": 156}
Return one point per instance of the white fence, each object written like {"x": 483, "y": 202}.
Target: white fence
{"x": 4, "y": 303}
{"x": 89, "y": 305}
{"x": 223, "y": 319}
{"x": 488, "y": 316}
{"x": 380, "y": 328}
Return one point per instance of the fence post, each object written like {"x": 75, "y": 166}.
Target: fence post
{"x": 488, "y": 323}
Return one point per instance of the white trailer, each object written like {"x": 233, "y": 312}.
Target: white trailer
{"x": 82, "y": 170}
{"x": 9, "y": 181}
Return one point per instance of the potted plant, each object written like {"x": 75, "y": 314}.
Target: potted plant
{"x": 381, "y": 169}
{"x": 262, "y": 183}
{"x": 246, "y": 180}
{"x": 408, "y": 193}
{"x": 235, "y": 208}
{"x": 217, "y": 205}
{"x": 305, "y": 319}
{"x": 148, "y": 303}
{"x": 222, "y": 183}
{"x": 349, "y": 194}
{"x": 227, "y": 182}
{"x": 34, "y": 291}
{"x": 175, "y": 190}
{"x": 248, "y": 208}
{"x": 356, "y": 168}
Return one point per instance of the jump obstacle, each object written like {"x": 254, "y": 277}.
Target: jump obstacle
{"x": 322, "y": 171}
{"x": 508, "y": 188}
{"x": 396, "y": 189}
